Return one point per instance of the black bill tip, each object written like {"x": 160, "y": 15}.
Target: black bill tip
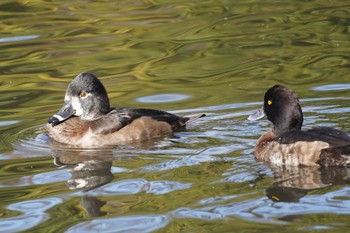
{"x": 53, "y": 121}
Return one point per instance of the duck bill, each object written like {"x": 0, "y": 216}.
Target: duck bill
{"x": 63, "y": 114}
{"x": 257, "y": 115}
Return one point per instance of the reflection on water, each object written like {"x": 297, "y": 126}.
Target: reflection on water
{"x": 292, "y": 183}
{"x": 142, "y": 223}
{"x": 216, "y": 57}
{"x": 88, "y": 169}
{"x": 18, "y": 38}
{"x": 163, "y": 98}
{"x": 187, "y": 176}
{"x": 33, "y": 213}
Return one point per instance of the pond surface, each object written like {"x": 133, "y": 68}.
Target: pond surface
{"x": 187, "y": 57}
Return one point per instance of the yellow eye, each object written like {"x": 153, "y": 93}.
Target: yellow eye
{"x": 269, "y": 102}
{"x": 83, "y": 94}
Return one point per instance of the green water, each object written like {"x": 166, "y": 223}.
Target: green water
{"x": 217, "y": 57}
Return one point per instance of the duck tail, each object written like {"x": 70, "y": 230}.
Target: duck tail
{"x": 186, "y": 120}
{"x": 336, "y": 156}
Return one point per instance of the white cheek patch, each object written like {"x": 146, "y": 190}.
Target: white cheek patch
{"x": 77, "y": 106}
{"x": 66, "y": 98}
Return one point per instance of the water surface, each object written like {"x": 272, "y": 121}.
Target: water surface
{"x": 187, "y": 57}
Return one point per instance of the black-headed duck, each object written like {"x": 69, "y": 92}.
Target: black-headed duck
{"x": 287, "y": 144}
{"x": 86, "y": 119}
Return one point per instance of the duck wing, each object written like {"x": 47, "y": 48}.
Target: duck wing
{"x": 119, "y": 118}
{"x": 333, "y": 137}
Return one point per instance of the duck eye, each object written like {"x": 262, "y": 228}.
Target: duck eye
{"x": 269, "y": 102}
{"x": 83, "y": 94}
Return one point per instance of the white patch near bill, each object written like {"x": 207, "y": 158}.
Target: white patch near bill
{"x": 77, "y": 106}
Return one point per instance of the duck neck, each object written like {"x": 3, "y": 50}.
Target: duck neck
{"x": 292, "y": 121}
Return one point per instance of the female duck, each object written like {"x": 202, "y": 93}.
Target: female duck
{"x": 86, "y": 119}
{"x": 287, "y": 144}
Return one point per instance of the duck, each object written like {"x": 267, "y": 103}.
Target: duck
{"x": 87, "y": 120}
{"x": 287, "y": 144}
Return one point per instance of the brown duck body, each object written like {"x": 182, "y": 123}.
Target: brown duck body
{"x": 306, "y": 153}
{"x": 120, "y": 126}
{"x": 86, "y": 120}
{"x": 287, "y": 144}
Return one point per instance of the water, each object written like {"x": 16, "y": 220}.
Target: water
{"x": 217, "y": 57}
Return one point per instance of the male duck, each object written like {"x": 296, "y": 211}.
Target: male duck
{"x": 86, "y": 119}
{"x": 287, "y": 144}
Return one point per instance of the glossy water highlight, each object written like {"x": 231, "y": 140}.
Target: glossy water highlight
{"x": 217, "y": 57}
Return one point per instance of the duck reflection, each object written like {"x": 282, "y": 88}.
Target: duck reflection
{"x": 93, "y": 206}
{"x": 293, "y": 183}
{"x": 89, "y": 169}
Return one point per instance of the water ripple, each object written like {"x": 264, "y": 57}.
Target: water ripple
{"x": 33, "y": 214}
{"x": 143, "y": 223}
{"x": 332, "y": 87}
{"x": 37, "y": 179}
{"x": 163, "y": 98}
{"x": 264, "y": 210}
{"x": 22, "y": 222}
{"x": 213, "y": 57}
{"x": 18, "y": 38}
{"x": 133, "y": 186}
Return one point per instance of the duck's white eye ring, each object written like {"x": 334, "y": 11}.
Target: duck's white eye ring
{"x": 83, "y": 95}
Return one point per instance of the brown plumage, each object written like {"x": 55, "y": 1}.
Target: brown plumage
{"x": 86, "y": 120}
{"x": 287, "y": 144}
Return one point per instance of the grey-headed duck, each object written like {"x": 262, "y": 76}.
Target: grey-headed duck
{"x": 287, "y": 144}
{"x": 87, "y": 120}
